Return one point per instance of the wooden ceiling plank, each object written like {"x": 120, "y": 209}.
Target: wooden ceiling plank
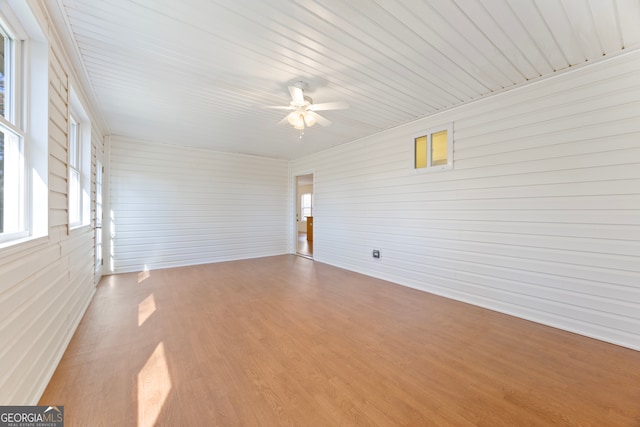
{"x": 536, "y": 27}
{"x": 432, "y": 52}
{"x": 582, "y": 24}
{"x": 266, "y": 44}
{"x": 629, "y": 18}
{"x": 396, "y": 41}
{"x": 489, "y": 25}
{"x": 187, "y": 63}
{"x": 433, "y": 28}
{"x": 476, "y": 45}
{"x": 558, "y": 24}
{"x": 514, "y": 29}
{"x": 363, "y": 38}
{"x": 195, "y": 71}
{"x": 607, "y": 25}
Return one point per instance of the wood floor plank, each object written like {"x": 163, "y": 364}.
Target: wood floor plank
{"x": 285, "y": 341}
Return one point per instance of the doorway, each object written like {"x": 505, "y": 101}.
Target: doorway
{"x": 304, "y": 215}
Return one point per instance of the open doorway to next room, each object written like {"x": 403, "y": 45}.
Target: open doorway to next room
{"x": 304, "y": 215}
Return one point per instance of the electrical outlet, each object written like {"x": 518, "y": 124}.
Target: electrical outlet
{"x": 376, "y": 254}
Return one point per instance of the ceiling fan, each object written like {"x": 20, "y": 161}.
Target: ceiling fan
{"x": 303, "y": 110}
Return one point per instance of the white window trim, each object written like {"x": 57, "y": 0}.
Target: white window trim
{"x": 99, "y": 249}
{"x": 428, "y": 133}
{"x": 29, "y": 118}
{"x": 17, "y": 196}
{"x": 75, "y": 172}
{"x": 13, "y": 125}
{"x": 78, "y": 115}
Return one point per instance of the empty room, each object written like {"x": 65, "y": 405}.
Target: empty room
{"x": 320, "y": 213}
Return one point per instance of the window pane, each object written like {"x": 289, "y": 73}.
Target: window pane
{"x": 74, "y": 196}
{"x": 439, "y": 148}
{"x": 11, "y": 183}
{"x": 421, "y": 152}
{"x": 1, "y": 182}
{"x": 305, "y": 206}
{"x": 98, "y": 194}
{"x": 74, "y": 142}
{"x": 3, "y": 44}
{"x": 98, "y": 213}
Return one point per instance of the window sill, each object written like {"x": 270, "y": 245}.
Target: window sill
{"x": 78, "y": 227}
{"x": 437, "y": 168}
{"x": 23, "y": 243}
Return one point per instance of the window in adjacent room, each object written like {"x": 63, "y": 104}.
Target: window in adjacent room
{"x": 433, "y": 150}
{"x": 306, "y": 206}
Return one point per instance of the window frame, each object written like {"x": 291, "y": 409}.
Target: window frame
{"x": 80, "y": 164}
{"x": 99, "y": 205}
{"x": 30, "y": 115}
{"x": 429, "y": 149}
{"x": 12, "y": 123}
{"x": 75, "y": 172}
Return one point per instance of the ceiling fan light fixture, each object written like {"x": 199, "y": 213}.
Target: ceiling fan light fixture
{"x": 295, "y": 119}
{"x": 309, "y": 119}
{"x": 302, "y": 110}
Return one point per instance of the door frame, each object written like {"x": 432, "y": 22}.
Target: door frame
{"x": 293, "y": 206}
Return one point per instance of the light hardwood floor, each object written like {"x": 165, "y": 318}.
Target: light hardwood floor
{"x": 288, "y": 341}
{"x": 305, "y": 247}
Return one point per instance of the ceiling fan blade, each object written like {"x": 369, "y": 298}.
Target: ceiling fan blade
{"x": 323, "y": 121}
{"x": 297, "y": 95}
{"x": 278, "y": 107}
{"x": 338, "y": 105}
{"x": 283, "y": 121}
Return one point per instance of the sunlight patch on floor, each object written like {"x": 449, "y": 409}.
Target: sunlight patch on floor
{"x": 154, "y": 385}
{"x": 146, "y": 308}
{"x": 144, "y": 274}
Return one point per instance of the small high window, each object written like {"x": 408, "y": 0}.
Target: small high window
{"x": 433, "y": 150}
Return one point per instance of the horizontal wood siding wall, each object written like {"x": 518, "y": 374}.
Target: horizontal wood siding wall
{"x": 172, "y": 206}
{"x": 45, "y": 284}
{"x": 540, "y": 217}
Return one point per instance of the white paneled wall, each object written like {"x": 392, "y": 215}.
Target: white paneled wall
{"x": 46, "y": 284}
{"x": 540, "y": 217}
{"x": 172, "y": 206}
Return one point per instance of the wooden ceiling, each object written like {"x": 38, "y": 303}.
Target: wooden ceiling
{"x": 201, "y": 72}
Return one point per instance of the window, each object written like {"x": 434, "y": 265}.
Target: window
{"x": 75, "y": 188}
{"x": 433, "y": 150}
{"x": 306, "y": 206}
{"x": 13, "y": 220}
{"x": 79, "y": 166}
{"x": 99, "y": 177}
{"x": 24, "y": 101}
